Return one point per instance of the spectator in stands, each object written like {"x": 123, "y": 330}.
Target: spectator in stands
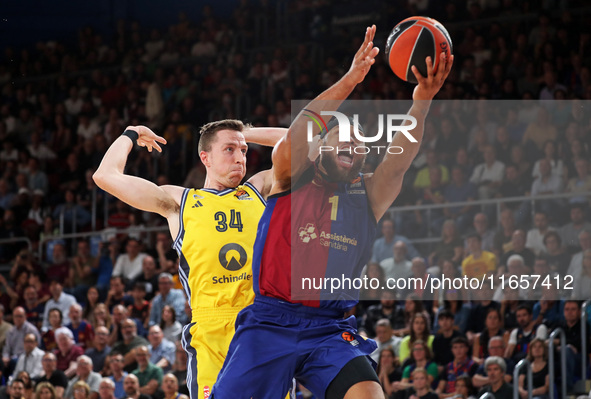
{"x": 496, "y": 347}
{"x": 495, "y": 368}
{"x": 67, "y": 352}
{"x": 162, "y": 350}
{"x": 481, "y": 227}
{"x": 6, "y": 196}
{"x": 15, "y": 338}
{"x": 44, "y": 390}
{"x": 99, "y": 350}
{"x": 556, "y": 254}
{"x": 514, "y": 270}
{"x": 581, "y": 183}
{"x": 453, "y": 301}
{"x": 107, "y": 389}
{"x": 421, "y": 358}
{"x": 52, "y": 375}
{"x": 551, "y": 155}
{"x": 81, "y": 274}
{"x": 385, "y": 338}
{"x": 37, "y": 177}
{"x": 167, "y": 296}
{"x": 180, "y": 368}
{"x": 539, "y": 131}
{"x": 129, "y": 343}
{"x": 148, "y": 276}
{"x": 103, "y": 265}
{"x": 118, "y": 375}
{"x": 116, "y": 295}
{"x": 570, "y": 232}
{"x": 37, "y": 279}
{"x": 17, "y": 389}
{"x": 55, "y": 322}
{"x": 459, "y": 190}
{"x": 166, "y": 255}
{"x": 397, "y": 266}
{"x": 386, "y": 309}
{"x": 521, "y": 337}
{"x": 419, "y": 330}
{"x": 59, "y": 300}
{"x": 33, "y": 307}
{"x": 148, "y": 374}
{"x": 101, "y": 317}
{"x": 518, "y": 248}
{"x": 423, "y": 178}
{"x": 493, "y": 328}
{"x": 30, "y": 359}
{"x": 370, "y": 296}
{"x": 537, "y": 354}
{"x": 140, "y": 309}
{"x": 84, "y": 374}
{"x": 503, "y": 236}
{"x": 450, "y": 247}
{"x": 479, "y": 262}
{"x": 535, "y": 236}
{"x": 388, "y": 370}
{"x": 446, "y": 333}
{"x": 171, "y": 328}
{"x": 461, "y": 364}
{"x": 382, "y": 247}
{"x": 545, "y": 184}
{"x": 92, "y": 300}
{"x": 488, "y": 176}
{"x": 170, "y": 387}
{"x": 549, "y": 310}
{"x": 431, "y": 195}
{"x": 82, "y": 330}
{"x": 576, "y": 264}
{"x": 131, "y": 385}
{"x": 120, "y": 313}
{"x": 572, "y": 329}
{"x": 60, "y": 266}
{"x": 483, "y": 302}
{"x": 582, "y": 282}
{"x": 5, "y": 327}
{"x": 129, "y": 264}
{"x": 71, "y": 212}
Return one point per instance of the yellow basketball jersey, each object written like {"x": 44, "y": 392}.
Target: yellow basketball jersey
{"x": 215, "y": 246}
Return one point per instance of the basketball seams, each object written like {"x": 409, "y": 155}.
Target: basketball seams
{"x": 409, "y": 64}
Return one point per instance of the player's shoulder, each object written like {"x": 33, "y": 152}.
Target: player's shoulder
{"x": 176, "y": 192}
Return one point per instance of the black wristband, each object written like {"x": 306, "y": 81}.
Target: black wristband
{"x": 132, "y": 134}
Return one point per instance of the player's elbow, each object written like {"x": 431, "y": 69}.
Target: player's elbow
{"x": 99, "y": 178}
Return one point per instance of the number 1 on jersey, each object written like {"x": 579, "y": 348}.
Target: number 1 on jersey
{"x": 334, "y": 201}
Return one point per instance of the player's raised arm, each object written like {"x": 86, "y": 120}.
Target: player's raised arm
{"x": 386, "y": 182}
{"x": 290, "y": 155}
{"x": 139, "y": 193}
{"x": 267, "y": 136}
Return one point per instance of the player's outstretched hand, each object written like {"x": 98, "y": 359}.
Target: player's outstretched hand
{"x": 147, "y": 138}
{"x": 364, "y": 58}
{"x": 430, "y": 85}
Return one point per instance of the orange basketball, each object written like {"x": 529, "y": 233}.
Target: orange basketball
{"x": 413, "y": 40}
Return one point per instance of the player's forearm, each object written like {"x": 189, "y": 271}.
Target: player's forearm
{"x": 267, "y": 136}
{"x": 113, "y": 162}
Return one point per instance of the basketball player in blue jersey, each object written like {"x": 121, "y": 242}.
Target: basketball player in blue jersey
{"x": 313, "y": 209}
{"x": 214, "y": 230}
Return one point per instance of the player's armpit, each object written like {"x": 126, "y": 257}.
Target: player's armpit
{"x": 263, "y": 182}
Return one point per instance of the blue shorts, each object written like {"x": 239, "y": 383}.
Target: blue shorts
{"x": 276, "y": 341}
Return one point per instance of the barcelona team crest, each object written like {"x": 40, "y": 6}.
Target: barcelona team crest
{"x": 242, "y": 195}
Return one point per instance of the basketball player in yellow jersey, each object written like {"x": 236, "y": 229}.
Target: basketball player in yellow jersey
{"x": 214, "y": 230}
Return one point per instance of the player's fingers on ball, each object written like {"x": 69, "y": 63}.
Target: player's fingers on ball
{"x": 417, "y": 74}
{"x": 429, "y": 63}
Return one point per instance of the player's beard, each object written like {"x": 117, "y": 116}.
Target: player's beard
{"x": 338, "y": 174}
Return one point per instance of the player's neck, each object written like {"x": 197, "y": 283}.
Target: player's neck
{"x": 215, "y": 184}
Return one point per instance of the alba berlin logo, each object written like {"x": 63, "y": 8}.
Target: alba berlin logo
{"x": 233, "y": 257}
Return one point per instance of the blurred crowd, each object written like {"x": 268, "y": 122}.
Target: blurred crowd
{"x": 92, "y": 311}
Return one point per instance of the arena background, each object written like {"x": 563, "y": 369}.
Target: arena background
{"x": 72, "y": 76}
